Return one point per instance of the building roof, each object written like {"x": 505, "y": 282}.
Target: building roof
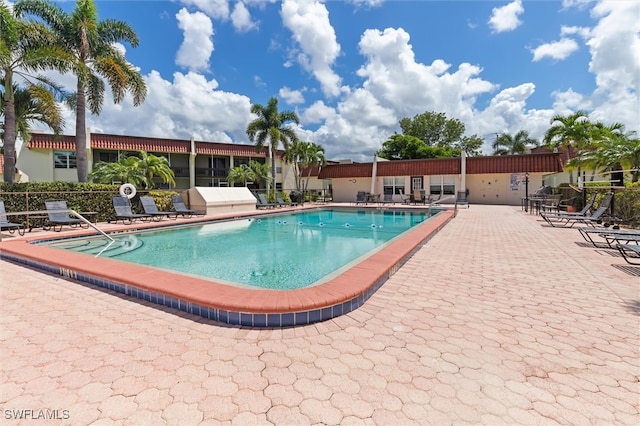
{"x": 140, "y": 143}
{"x": 533, "y": 163}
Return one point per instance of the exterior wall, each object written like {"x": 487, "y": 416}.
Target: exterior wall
{"x": 497, "y": 188}
{"x": 345, "y": 190}
{"x": 38, "y": 165}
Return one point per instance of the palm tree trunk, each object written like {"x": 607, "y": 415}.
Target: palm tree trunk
{"x": 81, "y": 135}
{"x": 274, "y": 151}
{"x": 9, "y": 141}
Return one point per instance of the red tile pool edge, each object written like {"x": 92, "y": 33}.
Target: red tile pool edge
{"x": 234, "y": 305}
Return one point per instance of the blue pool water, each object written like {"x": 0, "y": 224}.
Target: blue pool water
{"x": 285, "y": 251}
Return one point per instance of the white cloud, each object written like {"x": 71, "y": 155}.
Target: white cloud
{"x": 217, "y": 9}
{"x": 557, "y": 50}
{"x": 241, "y": 18}
{"x": 197, "y": 46}
{"x": 292, "y": 97}
{"x": 582, "y": 32}
{"x": 313, "y": 33}
{"x": 505, "y": 18}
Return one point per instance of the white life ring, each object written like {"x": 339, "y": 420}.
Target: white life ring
{"x": 127, "y": 190}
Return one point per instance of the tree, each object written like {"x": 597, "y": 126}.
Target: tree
{"x": 34, "y": 103}
{"x": 152, "y": 165}
{"x": 270, "y": 127}
{"x": 310, "y": 155}
{"x": 93, "y": 45}
{"x": 471, "y": 145}
{"x": 433, "y": 128}
{"x": 138, "y": 171}
{"x": 261, "y": 173}
{"x": 406, "y": 147}
{"x": 505, "y": 144}
{"x": 26, "y": 48}
{"x": 241, "y": 174}
{"x": 572, "y": 131}
{"x": 122, "y": 171}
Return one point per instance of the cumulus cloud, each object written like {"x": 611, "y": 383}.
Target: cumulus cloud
{"x": 505, "y": 18}
{"x": 241, "y": 18}
{"x": 292, "y": 97}
{"x": 217, "y": 9}
{"x": 557, "y": 50}
{"x": 197, "y": 46}
{"x": 316, "y": 39}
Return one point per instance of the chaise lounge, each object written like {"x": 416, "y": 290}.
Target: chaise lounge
{"x": 58, "y": 216}
{"x": 9, "y": 226}
{"x": 122, "y": 206}
{"x": 181, "y": 208}
{"x": 149, "y": 206}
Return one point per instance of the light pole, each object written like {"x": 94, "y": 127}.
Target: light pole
{"x": 526, "y": 192}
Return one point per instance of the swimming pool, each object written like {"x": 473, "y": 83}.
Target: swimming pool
{"x": 283, "y": 252}
{"x": 217, "y": 301}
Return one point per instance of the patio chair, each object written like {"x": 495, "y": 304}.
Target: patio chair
{"x": 181, "y": 209}
{"x": 58, "y": 216}
{"x": 9, "y": 226}
{"x": 611, "y": 235}
{"x": 149, "y": 206}
{"x": 630, "y": 253}
{"x": 283, "y": 203}
{"x": 387, "y": 198}
{"x": 263, "y": 203}
{"x": 568, "y": 220}
{"x": 122, "y": 206}
{"x": 361, "y": 197}
{"x": 586, "y": 210}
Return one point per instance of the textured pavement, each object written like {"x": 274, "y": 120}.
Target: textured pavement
{"x": 497, "y": 320}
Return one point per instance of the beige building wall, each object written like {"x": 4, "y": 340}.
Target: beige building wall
{"x": 38, "y": 164}
{"x": 503, "y": 188}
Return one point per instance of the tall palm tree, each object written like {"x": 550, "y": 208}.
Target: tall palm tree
{"x": 505, "y": 144}
{"x": 34, "y": 103}
{"x": 572, "y": 131}
{"x": 270, "y": 127}
{"x": 26, "y": 48}
{"x": 92, "y": 43}
{"x": 311, "y": 155}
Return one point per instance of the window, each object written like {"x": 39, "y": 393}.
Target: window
{"x": 445, "y": 185}
{"x": 109, "y": 157}
{"x": 64, "y": 160}
{"x": 416, "y": 183}
{"x": 393, "y": 185}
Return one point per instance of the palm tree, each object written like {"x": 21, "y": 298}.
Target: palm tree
{"x": 241, "y": 174}
{"x": 122, "y": 171}
{"x": 270, "y": 128}
{"x": 310, "y": 155}
{"x": 152, "y": 165}
{"x": 34, "y": 103}
{"x": 567, "y": 132}
{"x": 92, "y": 43}
{"x": 25, "y": 48}
{"x": 505, "y": 144}
{"x": 261, "y": 173}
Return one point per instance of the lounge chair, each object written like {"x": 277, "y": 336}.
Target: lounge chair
{"x": 387, "y": 198}
{"x": 361, "y": 197}
{"x": 149, "y": 206}
{"x": 58, "y": 216}
{"x": 586, "y": 210}
{"x": 181, "y": 208}
{"x": 610, "y": 235}
{"x": 9, "y": 226}
{"x": 629, "y": 252}
{"x": 283, "y": 203}
{"x": 122, "y": 206}
{"x": 568, "y": 220}
{"x": 263, "y": 203}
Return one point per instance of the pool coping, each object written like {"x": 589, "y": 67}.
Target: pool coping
{"x": 224, "y": 303}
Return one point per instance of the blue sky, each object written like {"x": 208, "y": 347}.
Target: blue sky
{"x": 353, "y": 69}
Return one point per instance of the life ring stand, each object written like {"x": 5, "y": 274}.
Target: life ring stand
{"x": 127, "y": 190}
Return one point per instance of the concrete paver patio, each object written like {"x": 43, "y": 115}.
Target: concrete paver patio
{"x": 497, "y": 320}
